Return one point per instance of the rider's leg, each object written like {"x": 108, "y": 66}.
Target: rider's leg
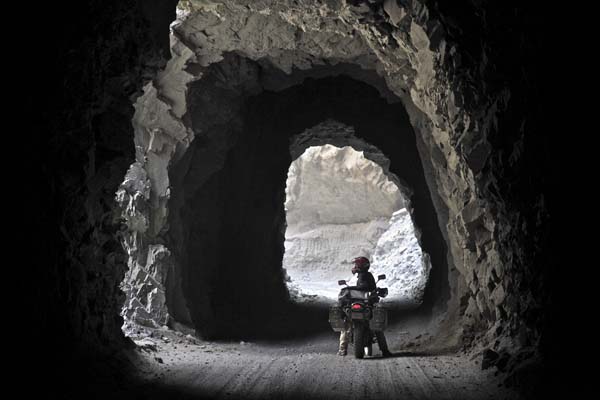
{"x": 382, "y": 344}
{"x": 344, "y": 339}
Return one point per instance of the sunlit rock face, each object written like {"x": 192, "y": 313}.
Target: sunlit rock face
{"x": 329, "y": 185}
{"x": 399, "y": 257}
{"x": 317, "y": 258}
{"x": 143, "y": 288}
{"x": 338, "y": 206}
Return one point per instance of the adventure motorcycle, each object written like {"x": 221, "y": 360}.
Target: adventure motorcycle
{"x": 365, "y": 314}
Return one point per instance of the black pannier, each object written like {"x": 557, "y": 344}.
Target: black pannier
{"x": 336, "y": 318}
{"x": 379, "y": 320}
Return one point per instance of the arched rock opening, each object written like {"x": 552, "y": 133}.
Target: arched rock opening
{"x": 226, "y": 214}
{"x": 409, "y": 61}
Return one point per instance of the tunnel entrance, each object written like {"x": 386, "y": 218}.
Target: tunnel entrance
{"x": 340, "y": 205}
{"x": 218, "y": 243}
{"x": 477, "y": 119}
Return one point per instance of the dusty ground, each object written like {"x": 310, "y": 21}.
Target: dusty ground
{"x": 180, "y": 367}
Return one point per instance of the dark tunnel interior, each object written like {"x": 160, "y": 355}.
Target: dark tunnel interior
{"x": 469, "y": 134}
{"x": 233, "y": 221}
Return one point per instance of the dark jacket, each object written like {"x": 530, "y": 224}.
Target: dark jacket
{"x": 365, "y": 281}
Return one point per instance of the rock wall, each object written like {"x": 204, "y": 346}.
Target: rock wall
{"x": 164, "y": 137}
{"x": 458, "y": 113}
{"x": 96, "y": 57}
{"x": 470, "y": 74}
{"x": 325, "y": 252}
{"x": 219, "y": 229}
{"x": 329, "y": 185}
{"x": 397, "y": 255}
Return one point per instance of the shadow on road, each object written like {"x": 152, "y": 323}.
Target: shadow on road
{"x": 301, "y": 320}
{"x": 402, "y": 354}
{"x": 295, "y": 321}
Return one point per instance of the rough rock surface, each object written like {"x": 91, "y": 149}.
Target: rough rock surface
{"x": 329, "y": 185}
{"x": 409, "y": 50}
{"x": 315, "y": 259}
{"x": 398, "y": 256}
{"x": 97, "y": 57}
{"x": 456, "y": 119}
{"x": 144, "y": 282}
{"x": 474, "y": 85}
{"x": 330, "y": 35}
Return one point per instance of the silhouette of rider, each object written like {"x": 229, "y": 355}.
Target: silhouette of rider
{"x": 365, "y": 281}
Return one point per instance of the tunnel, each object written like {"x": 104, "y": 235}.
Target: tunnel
{"x": 236, "y": 212}
{"x": 166, "y": 155}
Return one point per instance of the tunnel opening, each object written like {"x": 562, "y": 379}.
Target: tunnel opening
{"x": 340, "y": 205}
{"x": 223, "y": 240}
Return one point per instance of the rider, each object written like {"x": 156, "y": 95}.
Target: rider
{"x": 365, "y": 281}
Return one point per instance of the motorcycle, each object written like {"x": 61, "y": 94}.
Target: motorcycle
{"x": 365, "y": 314}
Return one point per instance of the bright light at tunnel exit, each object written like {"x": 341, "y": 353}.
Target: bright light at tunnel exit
{"x": 340, "y": 205}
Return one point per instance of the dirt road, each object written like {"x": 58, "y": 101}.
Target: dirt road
{"x": 309, "y": 368}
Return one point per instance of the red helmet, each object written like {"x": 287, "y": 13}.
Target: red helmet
{"x": 361, "y": 264}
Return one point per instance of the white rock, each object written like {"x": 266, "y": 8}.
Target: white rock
{"x": 399, "y": 256}
{"x": 331, "y": 185}
{"x": 339, "y": 206}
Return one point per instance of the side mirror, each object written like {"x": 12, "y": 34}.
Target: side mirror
{"x": 381, "y": 277}
{"x": 342, "y": 282}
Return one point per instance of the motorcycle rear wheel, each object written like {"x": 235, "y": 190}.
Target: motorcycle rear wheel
{"x": 359, "y": 341}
